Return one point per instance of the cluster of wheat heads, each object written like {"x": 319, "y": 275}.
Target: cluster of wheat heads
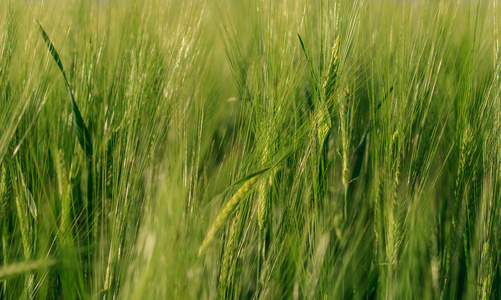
{"x": 261, "y": 149}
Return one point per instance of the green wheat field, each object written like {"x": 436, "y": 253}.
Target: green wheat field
{"x": 253, "y": 149}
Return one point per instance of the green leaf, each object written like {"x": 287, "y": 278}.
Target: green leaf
{"x": 83, "y": 134}
{"x": 310, "y": 64}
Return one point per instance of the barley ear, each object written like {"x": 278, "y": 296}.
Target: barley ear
{"x": 330, "y": 81}
{"x": 262, "y": 204}
{"x": 30, "y": 202}
{"x": 225, "y": 213}
{"x": 227, "y": 271}
{"x": 262, "y": 201}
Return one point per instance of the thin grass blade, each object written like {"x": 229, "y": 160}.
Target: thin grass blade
{"x": 83, "y": 133}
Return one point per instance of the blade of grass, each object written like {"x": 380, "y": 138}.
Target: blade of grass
{"x": 83, "y": 134}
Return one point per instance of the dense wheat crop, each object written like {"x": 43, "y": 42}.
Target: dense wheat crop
{"x": 256, "y": 149}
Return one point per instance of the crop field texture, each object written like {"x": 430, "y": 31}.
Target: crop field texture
{"x": 255, "y": 149}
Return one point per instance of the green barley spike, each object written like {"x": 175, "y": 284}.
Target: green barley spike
{"x": 224, "y": 215}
